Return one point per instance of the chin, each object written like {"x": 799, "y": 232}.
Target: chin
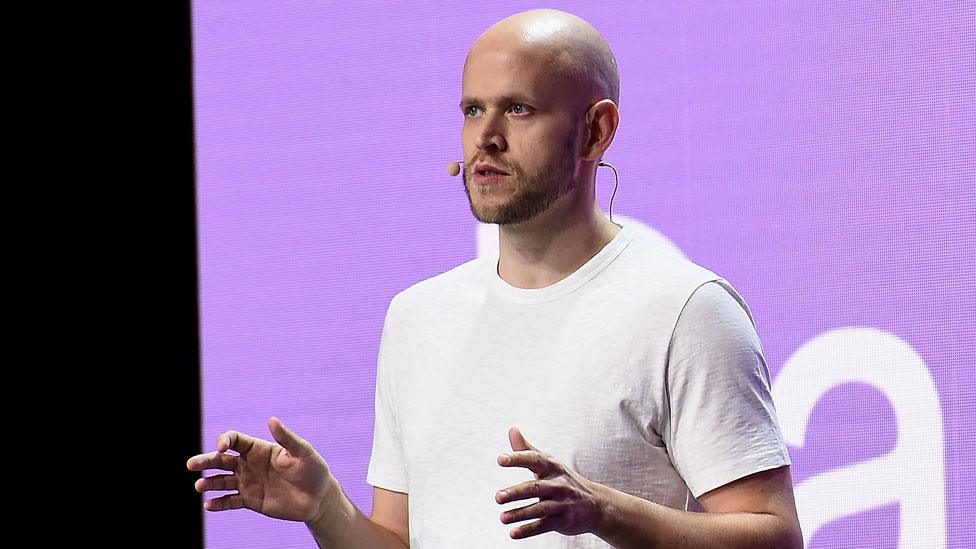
{"x": 488, "y": 209}
{"x": 485, "y": 215}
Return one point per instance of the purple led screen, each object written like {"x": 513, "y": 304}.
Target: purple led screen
{"x": 819, "y": 155}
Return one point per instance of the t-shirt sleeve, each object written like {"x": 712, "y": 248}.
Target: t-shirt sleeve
{"x": 722, "y": 424}
{"x": 386, "y": 466}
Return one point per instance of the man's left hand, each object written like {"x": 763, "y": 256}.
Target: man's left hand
{"x": 568, "y": 503}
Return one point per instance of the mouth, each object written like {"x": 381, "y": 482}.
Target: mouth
{"x": 486, "y": 174}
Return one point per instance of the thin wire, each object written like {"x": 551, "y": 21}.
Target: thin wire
{"x": 616, "y": 183}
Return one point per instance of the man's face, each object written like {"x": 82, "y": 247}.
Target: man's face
{"x": 520, "y": 133}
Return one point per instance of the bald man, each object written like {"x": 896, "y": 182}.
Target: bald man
{"x": 637, "y": 377}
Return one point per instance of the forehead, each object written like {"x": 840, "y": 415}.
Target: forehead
{"x": 498, "y": 70}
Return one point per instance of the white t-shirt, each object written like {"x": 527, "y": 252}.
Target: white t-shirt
{"x": 640, "y": 371}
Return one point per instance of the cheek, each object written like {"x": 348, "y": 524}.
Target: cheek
{"x": 536, "y": 148}
{"x": 467, "y": 139}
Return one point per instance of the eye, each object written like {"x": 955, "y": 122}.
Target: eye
{"x": 471, "y": 110}
{"x": 519, "y": 108}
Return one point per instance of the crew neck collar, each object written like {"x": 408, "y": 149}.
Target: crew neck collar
{"x": 567, "y": 285}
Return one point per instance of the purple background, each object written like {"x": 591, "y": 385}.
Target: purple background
{"x": 818, "y": 155}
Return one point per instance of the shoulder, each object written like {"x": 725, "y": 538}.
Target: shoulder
{"x": 650, "y": 256}
{"x": 716, "y": 303}
{"x": 715, "y": 335}
{"x": 467, "y": 280}
{"x": 658, "y": 273}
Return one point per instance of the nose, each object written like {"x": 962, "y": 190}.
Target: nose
{"x": 490, "y": 136}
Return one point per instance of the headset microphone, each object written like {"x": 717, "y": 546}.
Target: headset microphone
{"x": 454, "y": 168}
{"x": 616, "y": 183}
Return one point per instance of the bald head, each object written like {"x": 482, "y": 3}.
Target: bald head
{"x": 539, "y": 95}
{"x": 569, "y": 45}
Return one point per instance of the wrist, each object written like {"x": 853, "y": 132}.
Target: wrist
{"x": 329, "y": 505}
{"x": 604, "y": 523}
{"x": 624, "y": 520}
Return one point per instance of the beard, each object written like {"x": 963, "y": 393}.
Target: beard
{"x": 532, "y": 194}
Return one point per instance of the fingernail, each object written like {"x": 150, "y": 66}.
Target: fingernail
{"x": 502, "y": 494}
{"x": 503, "y": 459}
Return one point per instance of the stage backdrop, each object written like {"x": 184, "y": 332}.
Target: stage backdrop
{"x": 819, "y": 155}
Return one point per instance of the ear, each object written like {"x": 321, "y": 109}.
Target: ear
{"x": 602, "y": 119}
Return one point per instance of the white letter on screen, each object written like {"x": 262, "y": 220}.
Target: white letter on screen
{"x": 912, "y": 474}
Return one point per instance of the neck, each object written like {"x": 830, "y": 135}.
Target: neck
{"x": 554, "y": 244}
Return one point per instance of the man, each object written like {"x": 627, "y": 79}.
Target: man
{"x": 638, "y": 376}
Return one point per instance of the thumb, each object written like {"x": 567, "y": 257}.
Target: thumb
{"x": 294, "y": 444}
{"x": 518, "y": 441}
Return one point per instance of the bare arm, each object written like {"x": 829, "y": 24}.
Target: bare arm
{"x": 755, "y": 511}
{"x": 341, "y": 524}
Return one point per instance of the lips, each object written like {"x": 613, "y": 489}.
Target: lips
{"x": 486, "y": 174}
{"x": 488, "y": 170}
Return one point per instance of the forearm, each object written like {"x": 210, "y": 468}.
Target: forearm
{"x": 340, "y": 525}
{"x": 627, "y": 521}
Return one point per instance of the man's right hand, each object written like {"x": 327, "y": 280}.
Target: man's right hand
{"x": 288, "y": 480}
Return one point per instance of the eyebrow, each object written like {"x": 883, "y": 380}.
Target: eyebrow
{"x": 502, "y": 100}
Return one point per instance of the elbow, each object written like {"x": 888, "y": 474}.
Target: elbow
{"x": 792, "y": 537}
{"x": 797, "y": 539}
{"x": 784, "y": 533}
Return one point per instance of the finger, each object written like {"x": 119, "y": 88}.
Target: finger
{"x": 294, "y": 444}
{"x": 212, "y": 460}
{"x": 216, "y": 483}
{"x": 535, "y": 461}
{"x": 224, "y": 503}
{"x": 542, "y": 489}
{"x": 232, "y": 440}
{"x": 518, "y": 441}
{"x": 534, "y": 528}
{"x": 533, "y": 511}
